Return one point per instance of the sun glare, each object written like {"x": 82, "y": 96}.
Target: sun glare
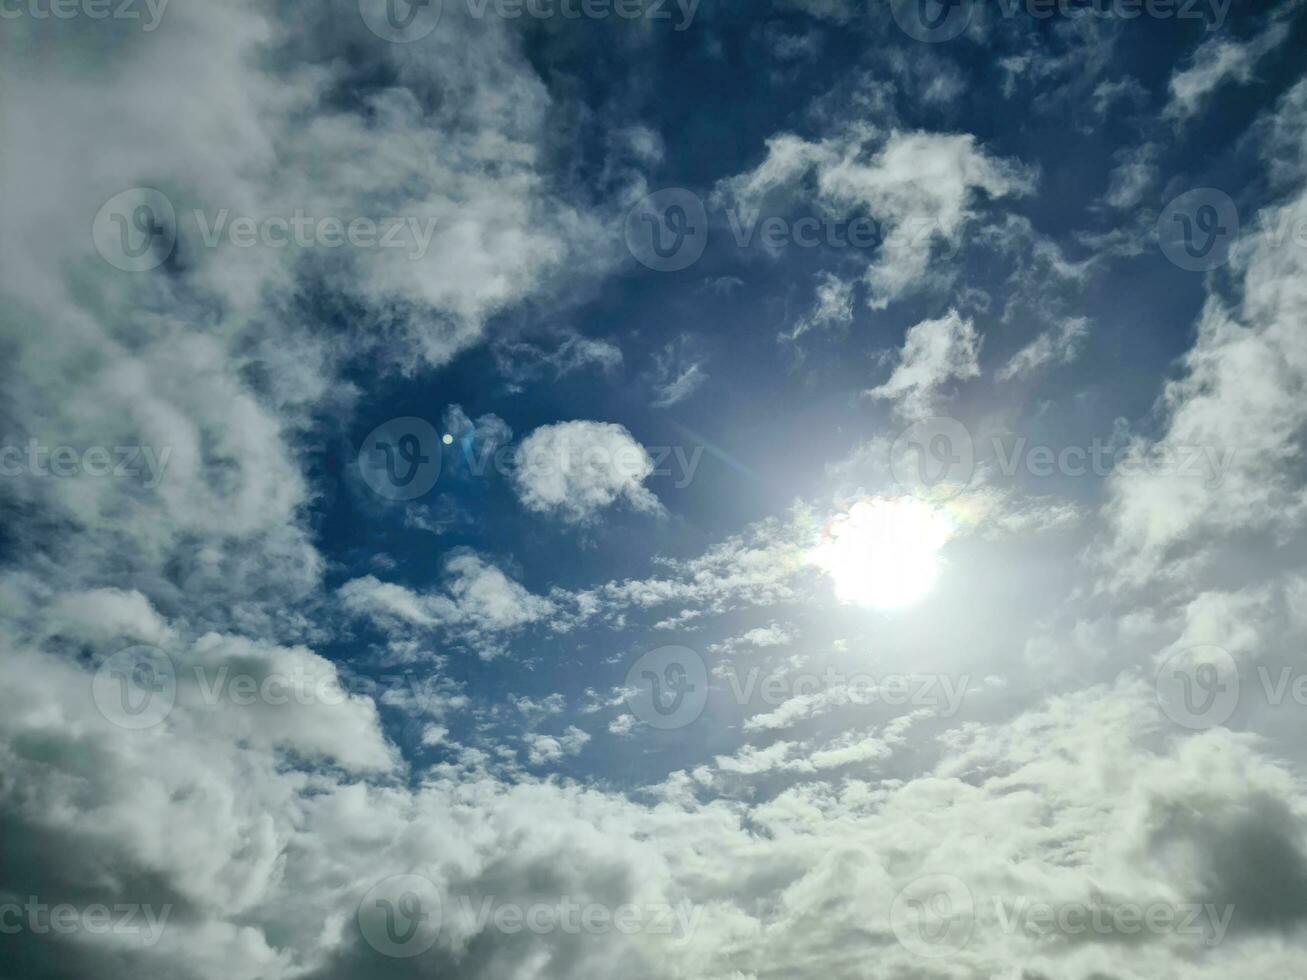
{"x": 883, "y": 552}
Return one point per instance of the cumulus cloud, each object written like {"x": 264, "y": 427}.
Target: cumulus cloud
{"x": 575, "y": 470}
{"x": 1159, "y": 512}
{"x": 544, "y": 749}
{"x": 478, "y": 605}
{"x": 275, "y": 794}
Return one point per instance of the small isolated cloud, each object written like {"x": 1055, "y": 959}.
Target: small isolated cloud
{"x": 759, "y": 638}
{"x": 544, "y": 749}
{"x": 1216, "y": 62}
{"x": 677, "y": 373}
{"x": 1060, "y": 345}
{"x": 479, "y": 604}
{"x": 573, "y": 470}
{"x": 622, "y": 725}
{"x": 833, "y": 307}
{"x": 934, "y": 352}
{"x": 1132, "y": 177}
{"x": 487, "y": 433}
{"x": 522, "y": 361}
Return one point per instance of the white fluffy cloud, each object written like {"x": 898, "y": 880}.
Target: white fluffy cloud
{"x": 575, "y": 470}
{"x": 934, "y": 353}
{"x": 1159, "y": 513}
{"x": 923, "y": 189}
{"x": 480, "y": 604}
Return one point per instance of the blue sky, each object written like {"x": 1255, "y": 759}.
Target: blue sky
{"x": 826, "y": 484}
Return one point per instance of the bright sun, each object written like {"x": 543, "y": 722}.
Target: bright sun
{"x": 883, "y": 552}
